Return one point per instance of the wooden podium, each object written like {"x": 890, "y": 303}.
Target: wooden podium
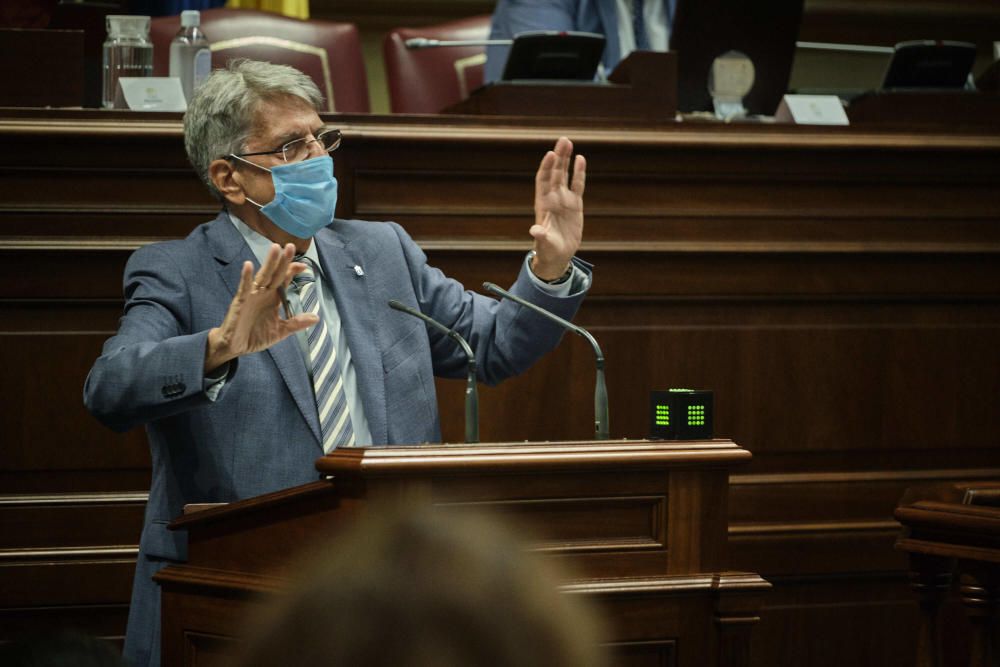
{"x": 642, "y": 523}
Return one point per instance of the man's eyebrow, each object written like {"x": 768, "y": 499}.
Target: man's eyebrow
{"x": 294, "y": 134}
{"x": 283, "y": 139}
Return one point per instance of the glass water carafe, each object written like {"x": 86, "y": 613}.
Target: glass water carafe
{"x": 127, "y": 52}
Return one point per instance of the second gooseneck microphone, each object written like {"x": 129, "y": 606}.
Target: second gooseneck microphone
{"x": 601, "y": 427}
{"x": 471, "y": 392}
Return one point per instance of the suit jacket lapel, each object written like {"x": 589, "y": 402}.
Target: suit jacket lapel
{"x": 355, "y": 306}
{"x": 231, "y": 251}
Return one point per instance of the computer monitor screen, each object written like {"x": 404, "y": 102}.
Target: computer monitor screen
{"x": 554, "y": 55}
{"x": 845, "y": 70}
{"x": 766, "y": 32}
{"x": 930, "y": 64}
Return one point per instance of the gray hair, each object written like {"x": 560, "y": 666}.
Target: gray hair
{"x": 222, "y": 111}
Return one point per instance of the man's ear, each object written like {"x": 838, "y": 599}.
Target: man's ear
{"x": 222, "y": 173}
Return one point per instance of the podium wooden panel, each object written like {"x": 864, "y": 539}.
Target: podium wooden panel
{"x": 641, "y": 524}
{"x": 915, "y": 108}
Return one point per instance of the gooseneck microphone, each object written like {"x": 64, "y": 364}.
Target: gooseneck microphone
{"x": 425, "y": 43}
{"x": 601, "y": 426}
{"x": 471, "y": 393}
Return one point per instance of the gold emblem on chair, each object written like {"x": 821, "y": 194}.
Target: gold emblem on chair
{"x": 463, "y": 64}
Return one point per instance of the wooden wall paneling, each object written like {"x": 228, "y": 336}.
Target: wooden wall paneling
{"x": 818, "y": 262}
{"x": 861, "y": 619}
{"x": 49, "y": 522}
{"x": 107, "y": 621}
{"x": 53, "y": 330}
{"x": 67, "y": 560}
{"x": 71, "y": 492}
{"x": 110, "y": 185}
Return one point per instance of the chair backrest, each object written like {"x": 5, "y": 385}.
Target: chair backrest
{"x": 327, "y": 51}
{"x": 428, "y": 80}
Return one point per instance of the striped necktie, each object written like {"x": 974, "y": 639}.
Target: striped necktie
{"x": 328, "y": 382}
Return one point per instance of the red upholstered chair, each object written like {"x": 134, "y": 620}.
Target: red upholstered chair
{"x": 428, "y": 80}
{"x": 329, "y": 52}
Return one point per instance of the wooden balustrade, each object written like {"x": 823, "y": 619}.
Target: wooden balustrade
{"x": 954, "y": 543}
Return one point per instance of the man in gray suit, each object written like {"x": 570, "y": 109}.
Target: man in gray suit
{"x": 627, "y": 25}
{"x": 263, "y": 339}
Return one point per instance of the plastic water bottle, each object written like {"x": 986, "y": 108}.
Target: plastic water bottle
{"x": 127, "y": 52}
{"x": 190, "y": 54}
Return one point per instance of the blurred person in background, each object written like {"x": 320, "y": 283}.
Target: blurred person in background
{"x": 627, "y": 25}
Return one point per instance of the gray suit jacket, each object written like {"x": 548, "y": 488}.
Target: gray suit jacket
{"x": 261, "y": 434}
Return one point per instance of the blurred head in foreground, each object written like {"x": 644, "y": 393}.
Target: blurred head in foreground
{"x": 423, "y": 588}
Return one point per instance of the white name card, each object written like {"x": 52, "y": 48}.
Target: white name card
{"x": 811, "y": 110}
{"x": 150, "y": 93}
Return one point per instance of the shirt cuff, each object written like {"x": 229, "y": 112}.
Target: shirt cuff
{"x": 215, "y": 381}
{"x": 564, "y": 288}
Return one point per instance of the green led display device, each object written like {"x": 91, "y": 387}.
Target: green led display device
{"x": 680, "y": 414}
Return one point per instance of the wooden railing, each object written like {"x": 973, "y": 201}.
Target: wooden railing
{"x": 955, "y": 543}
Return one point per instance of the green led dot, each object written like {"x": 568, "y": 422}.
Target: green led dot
{"x": 696, "y": 415}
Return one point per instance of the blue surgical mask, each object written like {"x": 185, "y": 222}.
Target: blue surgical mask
{"x": 305, "y": 196}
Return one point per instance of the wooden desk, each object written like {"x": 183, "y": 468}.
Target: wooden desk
{"x": 838, "y": 289}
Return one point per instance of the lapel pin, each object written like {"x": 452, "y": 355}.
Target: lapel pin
{"x": 358, "y": 270}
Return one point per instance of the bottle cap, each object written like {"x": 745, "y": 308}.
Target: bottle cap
{"x": 190, "y": 18}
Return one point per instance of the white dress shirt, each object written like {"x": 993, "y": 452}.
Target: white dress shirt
{"x": 654, "y": 16}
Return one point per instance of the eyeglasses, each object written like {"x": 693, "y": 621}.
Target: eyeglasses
{"x": 298, "y": 149}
